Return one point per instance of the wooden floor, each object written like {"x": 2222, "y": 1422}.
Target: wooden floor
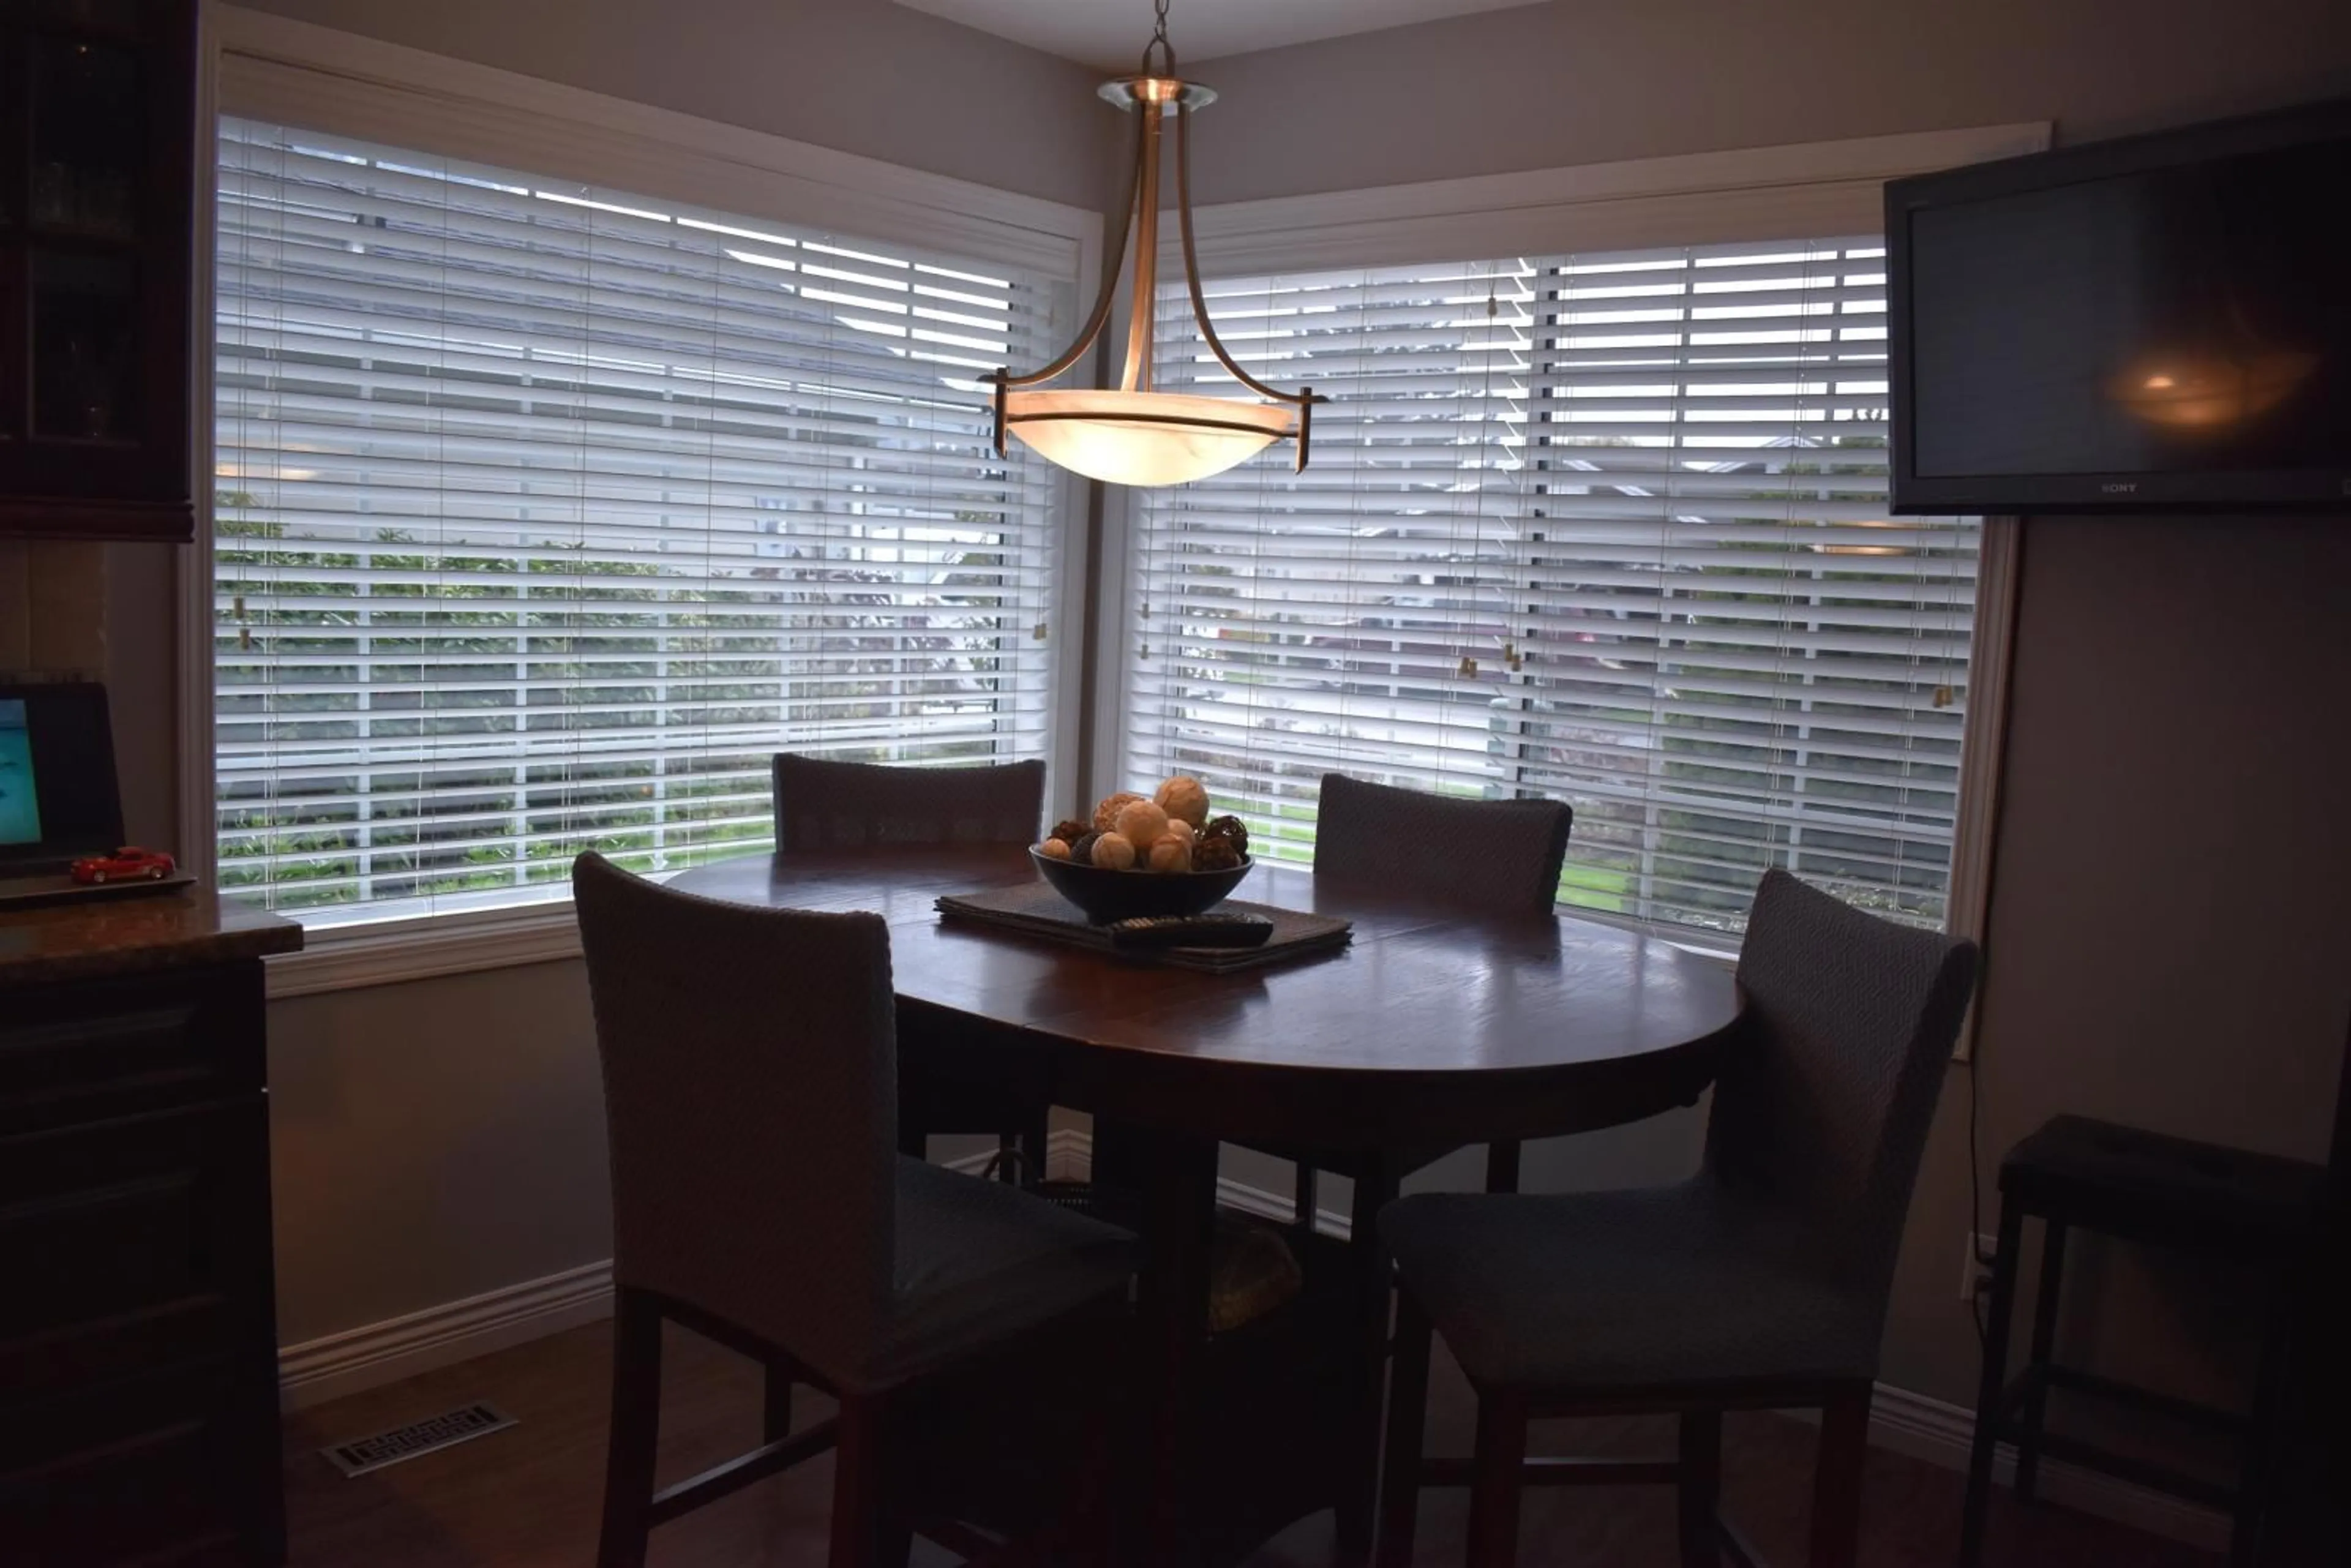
{"x": 528, "y": 1495}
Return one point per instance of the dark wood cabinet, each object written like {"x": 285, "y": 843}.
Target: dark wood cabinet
{"x": 98, "y": 180}
{"x": 138, "y": 1344}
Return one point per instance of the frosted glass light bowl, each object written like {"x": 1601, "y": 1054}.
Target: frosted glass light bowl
{"x": 1105, "y": 895}
{"x": 1144, "y": 438}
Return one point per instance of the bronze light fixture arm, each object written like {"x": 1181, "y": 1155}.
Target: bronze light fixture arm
{"x": 1304, "y": 398}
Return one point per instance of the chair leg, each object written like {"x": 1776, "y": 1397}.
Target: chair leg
{"x": 1407, "y": 1425}
{"x": 867, "y": 1531}
{"x": 1036, "y": 1138}
{"x": 1991, "y": 1386}
{"x": 1502, "y": 1166}
{"x": 1836, "y": 1479}
{"x": 1302, "y": 1199}
{"x": 636, "y": 1431}
{"x": 1496, "y": 1482}
{"x": 2259, "y": 1452}
{"x": 1375, "y": 1188}
{"x": 1699, "y": 1493}
{"x": 776, "y": 1406}
{"x": 2035, "y": 1414}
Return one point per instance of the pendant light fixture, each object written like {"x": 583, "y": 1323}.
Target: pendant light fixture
{"x": 1131, "y": 434}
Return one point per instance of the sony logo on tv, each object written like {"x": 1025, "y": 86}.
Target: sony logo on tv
{"x": 2120, "y": 487}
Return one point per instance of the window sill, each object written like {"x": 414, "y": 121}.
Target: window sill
{"x": 390, "y": 953}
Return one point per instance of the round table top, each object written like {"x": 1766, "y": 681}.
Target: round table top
{"x": 1432, "y": 1027}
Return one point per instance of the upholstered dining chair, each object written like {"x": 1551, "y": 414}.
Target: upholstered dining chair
{"x": 822, "y": 804}
{"x": 1760, "y": 1283}
{"x": 1497, "y": 857}
{"x": 758, "y": 1198}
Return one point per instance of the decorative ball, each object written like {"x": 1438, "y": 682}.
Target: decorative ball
{"x": 1177, "y": 828}
{"x": 1170, "y": 854}
{"x": 1230, "y": 828}
{"x": 1106, "y": 812}
{"x": 1183, "y": 798}
{"x": 1140, "y": 823}
{"x": 1081, "y": 848}
{"x": 1070, "y": 830}
{"x": 1215, "y": 854}
{"x": 1114, "y": 851}
{"x": 1054, "y": 850}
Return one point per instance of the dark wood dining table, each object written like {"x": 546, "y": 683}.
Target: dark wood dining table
{"x": 1431, "y": 1030}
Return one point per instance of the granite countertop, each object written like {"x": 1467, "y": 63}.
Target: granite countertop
{"x": 121, "y": 935}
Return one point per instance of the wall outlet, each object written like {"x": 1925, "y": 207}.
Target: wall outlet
{"x": 1975, "y": 1270}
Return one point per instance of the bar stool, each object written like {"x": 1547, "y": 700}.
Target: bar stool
{"x": 2255, "y": 1210}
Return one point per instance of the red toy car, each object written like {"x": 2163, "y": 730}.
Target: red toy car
{"x": 125, "y": 864}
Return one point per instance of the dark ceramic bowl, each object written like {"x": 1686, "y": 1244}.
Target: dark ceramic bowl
{"x": 1106, "y": 896}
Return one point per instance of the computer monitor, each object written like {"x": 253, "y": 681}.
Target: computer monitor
{"x": 57, "y": 794}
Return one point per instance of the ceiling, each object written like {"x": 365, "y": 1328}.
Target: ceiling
{"x": 1111, "y": 34}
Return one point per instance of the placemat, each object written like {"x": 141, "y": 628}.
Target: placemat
{"x": 1035, "y": 909}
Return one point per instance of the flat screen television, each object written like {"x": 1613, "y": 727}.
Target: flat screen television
{"x": 2162, "y": 322}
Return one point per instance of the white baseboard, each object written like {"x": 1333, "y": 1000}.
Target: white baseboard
{"x": 362, "y": 1358}
{"x": 357, "y": 1359}
{"x": 1944, "y": 1434}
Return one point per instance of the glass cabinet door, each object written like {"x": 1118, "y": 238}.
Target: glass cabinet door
{"x": 96, "y": 190}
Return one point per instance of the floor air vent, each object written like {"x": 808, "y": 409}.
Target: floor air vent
{"x": 361, "y": 1454}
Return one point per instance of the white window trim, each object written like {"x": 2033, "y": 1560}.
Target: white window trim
{"x": 1792, "y": 191}
{"x": 273, "y": 67}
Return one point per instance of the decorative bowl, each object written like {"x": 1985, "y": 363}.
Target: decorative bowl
{"x": 1106, "y": 896}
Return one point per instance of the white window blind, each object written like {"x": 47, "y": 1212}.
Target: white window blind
{"x": 1610, "y": 529}
{"x": 546, "y": 514}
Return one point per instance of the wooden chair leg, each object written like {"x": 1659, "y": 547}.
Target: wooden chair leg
{"x": 864, "y": 1534}
{"x": 2034, "y": 1417}
{"x": 776, "y": 1406}
{"x": 1496, "y": 1482}
{"x": 1836, "y": 1479}
{"x": 1375, "y": 1188}
{"x": 1699, "y": 1493}
{"x": 2258, "y": 1455}
{"x": 1408, "y": 1427}
{"x": 1991, "y": 1386}
{"x": 636, "y": 1431}
{"x": 1502, "y": 1166}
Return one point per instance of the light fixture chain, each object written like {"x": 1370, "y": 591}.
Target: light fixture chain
{"x": 1159, "y": 42}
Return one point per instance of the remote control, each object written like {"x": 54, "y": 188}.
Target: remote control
{"x": 1191, "y": 931}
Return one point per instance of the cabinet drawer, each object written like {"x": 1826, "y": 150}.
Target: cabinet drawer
{"x": 95, "y": 1050}
{"x": 107, "y": 1219}
{"x": 125, "y": 1502}
{"x": 39, "y": 1437}
{"x": 43, "y": 1367}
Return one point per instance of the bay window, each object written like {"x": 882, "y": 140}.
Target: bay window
{"x": 1609, "y": 528}
{"x": 545, "y": 513}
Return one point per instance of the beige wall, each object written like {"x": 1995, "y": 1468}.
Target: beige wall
{"x": 1581, "y": 82}
{"x": 432, "y": 1141}
{"x": 860, "y": 76}
{"x": 2170, "y": 944}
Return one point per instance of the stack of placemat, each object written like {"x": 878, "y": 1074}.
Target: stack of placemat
{"x": 1034, "y": 909}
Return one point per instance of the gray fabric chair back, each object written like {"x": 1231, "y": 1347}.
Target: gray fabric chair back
{"x": 827, "y": 805}
{"x": 1501, "y": 857}
{"x": 1822, "y": 1109}
{"x": 750, "y": 1095}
